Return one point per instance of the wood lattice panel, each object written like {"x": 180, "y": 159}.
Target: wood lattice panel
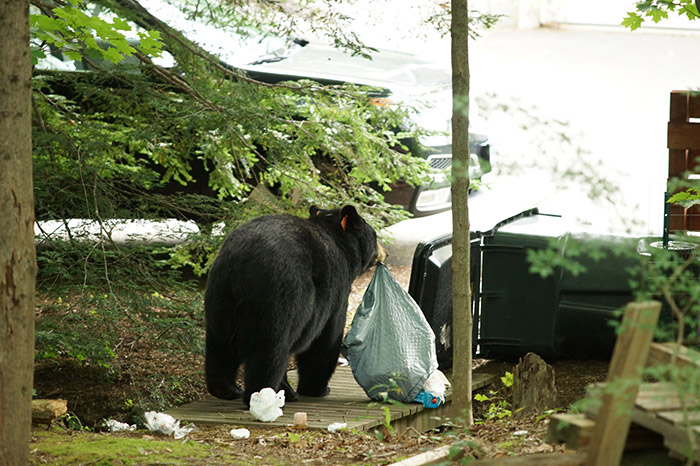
{"x": 684, "y": 153}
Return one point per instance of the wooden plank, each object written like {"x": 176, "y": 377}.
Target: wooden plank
{"x": 435, "y": 456}
{"x": 539, "y": 459}
{"x": 675, "y": 437}
{"x": 692, "y": 216}
{"x": 693, "y": 163}
{"x": 629, "y": 356}
{"x": 694, "y": 105}
{"x": 680, "y": 418}
{"x": 574, "y": 430}
{"x": 347, "y": 402}
{"x": 677, "y": 220}
{"x": 666, "y": 354}
{"x": 683, "y": 136}
{"x": 663, "y": 396}
{"x": 679, "y": 111}
{"x": 677, "y": 163}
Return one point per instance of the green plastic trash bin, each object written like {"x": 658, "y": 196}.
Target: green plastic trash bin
{"x": 562, "y": 314}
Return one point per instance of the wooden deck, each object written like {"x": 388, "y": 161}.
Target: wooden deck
{"x": 347, "y": 403}
{"x": 664, "y": 418}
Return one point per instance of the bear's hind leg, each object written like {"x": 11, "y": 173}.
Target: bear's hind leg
{"x": 221, "y": 370}
{"x": 317, "y": 364}
{"x": 289, "y": 393}
{"x": 267, "y": 368}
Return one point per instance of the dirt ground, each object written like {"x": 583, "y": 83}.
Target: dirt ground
{"x": 92, "y": 396}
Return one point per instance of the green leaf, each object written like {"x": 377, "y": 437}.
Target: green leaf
{"x": 47, "y": 23}
{"x": 74, "y": 55}
{"x": 37, "y": 54}
{"x": 657, "y": 14}
{"x": 112, "y": 54}
{"x": 150, "y": 43}
{"x": 644, "y": 6}
{"x": 121, "y": 24}
{"x": 691, "y": 11}
{"x": 633, "y": 21}
{"x": 122, "y": 46}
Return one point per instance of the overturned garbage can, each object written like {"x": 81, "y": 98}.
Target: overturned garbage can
{"x": 517, "y": 311}
{"x": 562, "y": 314}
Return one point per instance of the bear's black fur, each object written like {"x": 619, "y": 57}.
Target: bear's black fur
{"x": 279, "y": 287}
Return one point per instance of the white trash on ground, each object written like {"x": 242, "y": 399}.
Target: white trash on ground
{"x": 437, "y": 384}
{"x": 266, "y": 405}
{"x": 240, "y": 434}
{"x": 116, "y": 426}
{"x": 336, "y": 426}
{"x": 166, "y": 424}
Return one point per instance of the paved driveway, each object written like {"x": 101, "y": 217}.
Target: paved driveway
{"x": 589, "y": 101}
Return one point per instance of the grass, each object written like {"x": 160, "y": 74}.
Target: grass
{"x": 49, "y": 447}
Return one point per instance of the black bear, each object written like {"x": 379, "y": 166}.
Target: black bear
{"x": 279, "y": 287}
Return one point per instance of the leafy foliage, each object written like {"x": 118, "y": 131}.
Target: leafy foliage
{"x": 500, "y": 406}
{"x": 199, "y": 141}
{"x": 86, "y": 323}
{"x": 442, "y": 19}
{"x": 687, "y": 198}
{"x": 657, "y": 10}
{"x": 71, "y": 29}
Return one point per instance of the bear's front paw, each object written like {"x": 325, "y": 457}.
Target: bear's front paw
{"x": 307, "y": 391}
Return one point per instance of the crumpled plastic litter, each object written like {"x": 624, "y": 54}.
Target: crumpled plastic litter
{"x": 240, "y": 434}
{"x": 166, "y": 424}
{"x": 432, "y": 395}
{"x": 437, "y": 384}
{"x": 266, "y": 405}
{"x": 116, "y": 426}
{"x": 336, "y": 426}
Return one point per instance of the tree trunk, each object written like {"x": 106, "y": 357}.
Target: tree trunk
{"x": 17, "y": 254}
{"x": 533, "y": 387}
{"x": 461, "y": 292}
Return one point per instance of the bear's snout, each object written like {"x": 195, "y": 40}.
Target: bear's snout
{"x": 382, "y": 253}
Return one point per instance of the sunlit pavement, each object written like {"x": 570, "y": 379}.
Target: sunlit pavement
{"x": 608, "y": 90}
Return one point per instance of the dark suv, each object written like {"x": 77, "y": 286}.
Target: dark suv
{"x": 405, "y": 78}
{"x": 401, "y": 78}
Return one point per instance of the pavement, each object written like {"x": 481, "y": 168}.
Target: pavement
{"x": 572, "y": 112}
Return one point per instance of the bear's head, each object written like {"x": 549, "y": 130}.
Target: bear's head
{"x": 351, "y": 229}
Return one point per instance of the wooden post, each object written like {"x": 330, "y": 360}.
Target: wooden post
{"x": 624, "y": 376}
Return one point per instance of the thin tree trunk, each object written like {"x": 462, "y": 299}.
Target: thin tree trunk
{"x": 461, "y": 292}
{"x": 17, "y": 254}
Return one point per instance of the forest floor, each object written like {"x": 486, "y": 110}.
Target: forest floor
{"x": 92, "y": 397}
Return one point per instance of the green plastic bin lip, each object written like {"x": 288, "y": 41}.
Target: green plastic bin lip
{"x": 675, "y": 246}
{"x": 682, "y": 248}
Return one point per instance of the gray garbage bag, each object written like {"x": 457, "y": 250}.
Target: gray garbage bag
{"x": 390, "y": 345}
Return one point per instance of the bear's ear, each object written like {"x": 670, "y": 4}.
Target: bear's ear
{"x": 349, "y": 218}
{"x": 314, "y": 211}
